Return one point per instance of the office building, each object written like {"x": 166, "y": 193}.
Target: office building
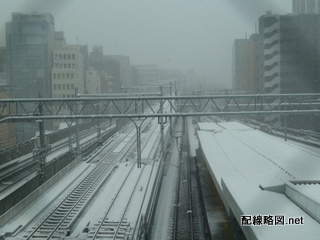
{"x": 29, "y": 43}
{"x": 67, "y": 75}
{"x": 306, "y": 6}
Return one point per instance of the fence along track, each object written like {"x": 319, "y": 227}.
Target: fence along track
{"x": 59, "y": 222}
{"x": 110, "y": 229}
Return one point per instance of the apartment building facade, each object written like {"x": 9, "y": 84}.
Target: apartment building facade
{"x": 67, "y": 76}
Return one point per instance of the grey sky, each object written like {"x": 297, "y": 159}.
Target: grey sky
{"x": 182, "y": 34}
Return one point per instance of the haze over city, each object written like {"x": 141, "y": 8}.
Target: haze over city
{"x": 184, "y": 35}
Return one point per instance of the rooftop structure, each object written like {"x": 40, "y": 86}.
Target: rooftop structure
{"x": 257, "y": 174}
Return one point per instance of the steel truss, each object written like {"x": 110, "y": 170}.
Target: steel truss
{"x": 135, "y": 108}
{"x": 124, "y": 107}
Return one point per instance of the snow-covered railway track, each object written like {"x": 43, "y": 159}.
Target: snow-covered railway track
{"x": 115, "y": 224}
{"x": 60, "y": 220}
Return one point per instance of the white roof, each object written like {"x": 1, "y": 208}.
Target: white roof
{"x": 244, "y": 161}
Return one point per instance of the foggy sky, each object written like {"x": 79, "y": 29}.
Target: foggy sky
{"x": 181, "y": 34}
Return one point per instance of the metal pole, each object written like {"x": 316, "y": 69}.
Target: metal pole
{"x": 69, "y": 136}
{"x": 77, "y": 126}
{"x": 138, "y": 126}
{"x": 99, "y": 127}
{"x": 170, "y": 119}
{"x": 42, "y": 155}
{"x": 161, "y": 122}
{"x": 285, "y": 120}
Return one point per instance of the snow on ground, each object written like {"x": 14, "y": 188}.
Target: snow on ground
{"x": 162, "y": 219}
{"x": 242, "y": 161}
{"x": 51, "y": 198}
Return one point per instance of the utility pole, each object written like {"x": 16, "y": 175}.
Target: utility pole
{"x": 162, "y": 122}
{"x": 40, "y": 152}
{"x": 77, "y": 126}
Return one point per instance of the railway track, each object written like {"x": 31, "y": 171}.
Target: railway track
{"x": 189, "y": 218}
{"x": 59, "y": 222}
{"x": 115, "y": 224}
{"x": 16, "y": 171}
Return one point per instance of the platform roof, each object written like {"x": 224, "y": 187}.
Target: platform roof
{"x": 259, "y": 174}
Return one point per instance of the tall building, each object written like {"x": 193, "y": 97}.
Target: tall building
{"x": 113, "y": 69}
{"x": 7, "y": 136}
{"x": 30, "y": 42}
{"x": 291, "y": 57}
{"x": 306, "y": 6}
{"x": 125, "y": 68}
{"x": 245, "y": 65}
{"x": 3, "y": 66}
{"x": 67, "y": 75}
{"x": 147, "y": 74}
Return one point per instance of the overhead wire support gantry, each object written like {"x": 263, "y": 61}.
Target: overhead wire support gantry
{"x": 97, "y": 106}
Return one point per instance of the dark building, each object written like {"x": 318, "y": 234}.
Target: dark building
{"x": 108, "y": 65}
{"x": 291, "y": 58}
{"x": 245, "y": 65}
{"x": 306, "y": 6}
{"x": 30, "y": 43}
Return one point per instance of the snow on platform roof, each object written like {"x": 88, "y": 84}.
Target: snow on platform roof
{"x": 245, "y": 163}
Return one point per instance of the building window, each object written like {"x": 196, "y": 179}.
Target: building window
{"x": 72, "y": 76}
{"x": 63, "y": 76}
{"x": 68, "y": 86}
{"x": 54, "y": 86}
{"x": 72, "y": 86}
{"x": 65, "y": 65}
{"x": 59, "y": 86}
{"x": 63, "y": 87}
{"x": 64, "y": 56}
{"x": 67, "y": 75}
{"x": 73, "y": 56}
{"x": 59, "y": 76}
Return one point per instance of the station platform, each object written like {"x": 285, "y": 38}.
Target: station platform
{"x": 270, "y": 186}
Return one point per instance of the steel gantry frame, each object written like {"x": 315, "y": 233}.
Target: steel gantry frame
{"x": 98, "y": 107}
{"x": 13, "y": 110}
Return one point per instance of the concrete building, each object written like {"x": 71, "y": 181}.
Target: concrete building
{"x": 245, "y": 65}
{"x": 125, "y": 68}
{"x": 146, "y": 74}
{"x": 7, "y": 136}
{"x": 30, "y": 42}
{"x": 67, "y": 75}
{"x": 93, "y": 81}
{"x": 113, "y": 69}
{"x": 291, "y": 52}
{"x": 306, "y": 6}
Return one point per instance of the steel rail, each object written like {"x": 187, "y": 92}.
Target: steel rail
{"x": 31, "y": 164}
{"x": 87, "y": 188}
{"x": 97, "y": 230}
